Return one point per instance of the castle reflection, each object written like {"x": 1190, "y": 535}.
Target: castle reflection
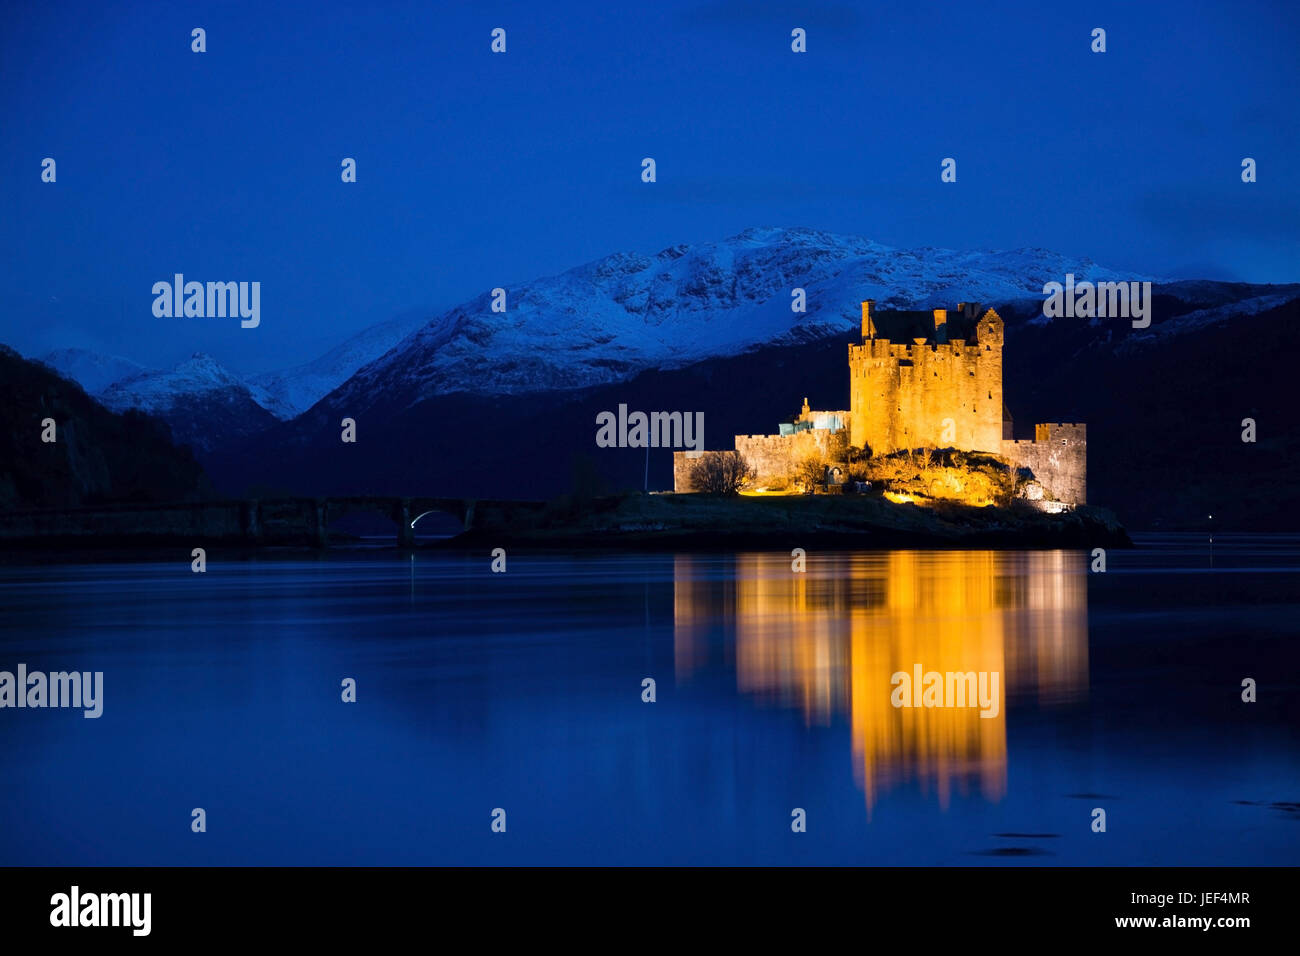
{"x": 828, "y": 640}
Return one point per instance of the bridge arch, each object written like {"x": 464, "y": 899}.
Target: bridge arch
{"x": 452, "y": 520}
{"x": 405, "y": 513}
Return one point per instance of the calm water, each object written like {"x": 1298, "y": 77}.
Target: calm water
{"x": 523, "y": 691}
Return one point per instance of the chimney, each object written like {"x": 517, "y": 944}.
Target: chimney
{"x": 868, "y": 329}
{"x": 941, "y": 325}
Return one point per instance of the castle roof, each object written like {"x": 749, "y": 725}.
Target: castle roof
{"x": 907, "y": 325}
{"x": 903, "y": 326}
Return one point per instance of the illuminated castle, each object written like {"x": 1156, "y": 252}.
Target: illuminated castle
{"x": 920, "y": 380}
{"x": 928, "y": 379}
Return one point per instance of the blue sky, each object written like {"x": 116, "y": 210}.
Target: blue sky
{"x": 478, "y": 170}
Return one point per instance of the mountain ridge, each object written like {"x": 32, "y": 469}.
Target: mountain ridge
{"x": 605, "y": 324}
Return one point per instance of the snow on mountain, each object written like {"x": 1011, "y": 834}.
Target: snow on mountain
{"x": 284, "y": 393}
{"x": 610, "y": 319}
{"x": 1202, "y": 318}
{"x": 204, "y": 403}
{"x": 292, "y": 391}
{"x": 154, "y": 390}
{"x": 93, "y": 371}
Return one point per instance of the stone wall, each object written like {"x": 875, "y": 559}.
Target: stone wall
{"x": 682, "y": 465}
{"x": 775, "y": 458}
{"x": 1058, "y": 457}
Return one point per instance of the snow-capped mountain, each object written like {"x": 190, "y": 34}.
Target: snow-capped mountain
{"x": 292, "y": 391}
{"x": 610, "y": 319}
{"x": 93, "y": 371}
{"x": 606, "y": 322}
{"x": 1212, "y": 314}
{"x": 154, "y": 390}
{"x": 285, "y": 393}
{"x": 204, "y": 403}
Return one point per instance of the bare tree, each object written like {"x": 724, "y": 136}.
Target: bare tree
{"x": 811, "y": 472}
{"x": 721, "y": 473}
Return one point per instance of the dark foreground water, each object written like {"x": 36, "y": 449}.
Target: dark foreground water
{"x": 523, "y": 691}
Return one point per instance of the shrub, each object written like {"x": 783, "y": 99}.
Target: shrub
{"x": 946, "y": 474}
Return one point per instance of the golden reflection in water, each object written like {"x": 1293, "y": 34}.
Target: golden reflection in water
{"x": 829, "y": 639}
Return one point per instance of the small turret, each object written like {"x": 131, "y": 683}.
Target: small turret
{"x": 989, "y": 332}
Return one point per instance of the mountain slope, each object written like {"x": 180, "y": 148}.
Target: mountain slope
{"x": 611, "y": 319}
{"x": 292, "y": 391}
{"x": 97, "y": 456}
{"x": 602, "y": 322}
{"x": 284, "y": 393}
{"x": 205, "y": 405}
{"x": 93, "y": 371}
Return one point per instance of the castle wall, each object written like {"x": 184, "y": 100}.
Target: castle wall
{"x": 775, "y": 458}
{"x": 900, "y": 396}
{"x": 1058, "y": 457}
{"x": 682, "y": 471}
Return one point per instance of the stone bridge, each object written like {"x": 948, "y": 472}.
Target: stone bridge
{"x": 284, "y": 521}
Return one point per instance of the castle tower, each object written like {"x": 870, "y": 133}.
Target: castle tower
{"x": 928, "y": 379}
{"x": 987, "y": 403}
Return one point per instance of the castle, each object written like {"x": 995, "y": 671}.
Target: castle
{"x": 920, "y": 379}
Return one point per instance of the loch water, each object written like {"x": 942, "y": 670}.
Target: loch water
{"x": 523, "y": 691}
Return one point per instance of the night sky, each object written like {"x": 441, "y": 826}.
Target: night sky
{"x": 478, "y": 170}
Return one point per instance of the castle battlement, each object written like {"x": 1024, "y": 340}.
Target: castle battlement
{"x": 1063, "y": 431}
